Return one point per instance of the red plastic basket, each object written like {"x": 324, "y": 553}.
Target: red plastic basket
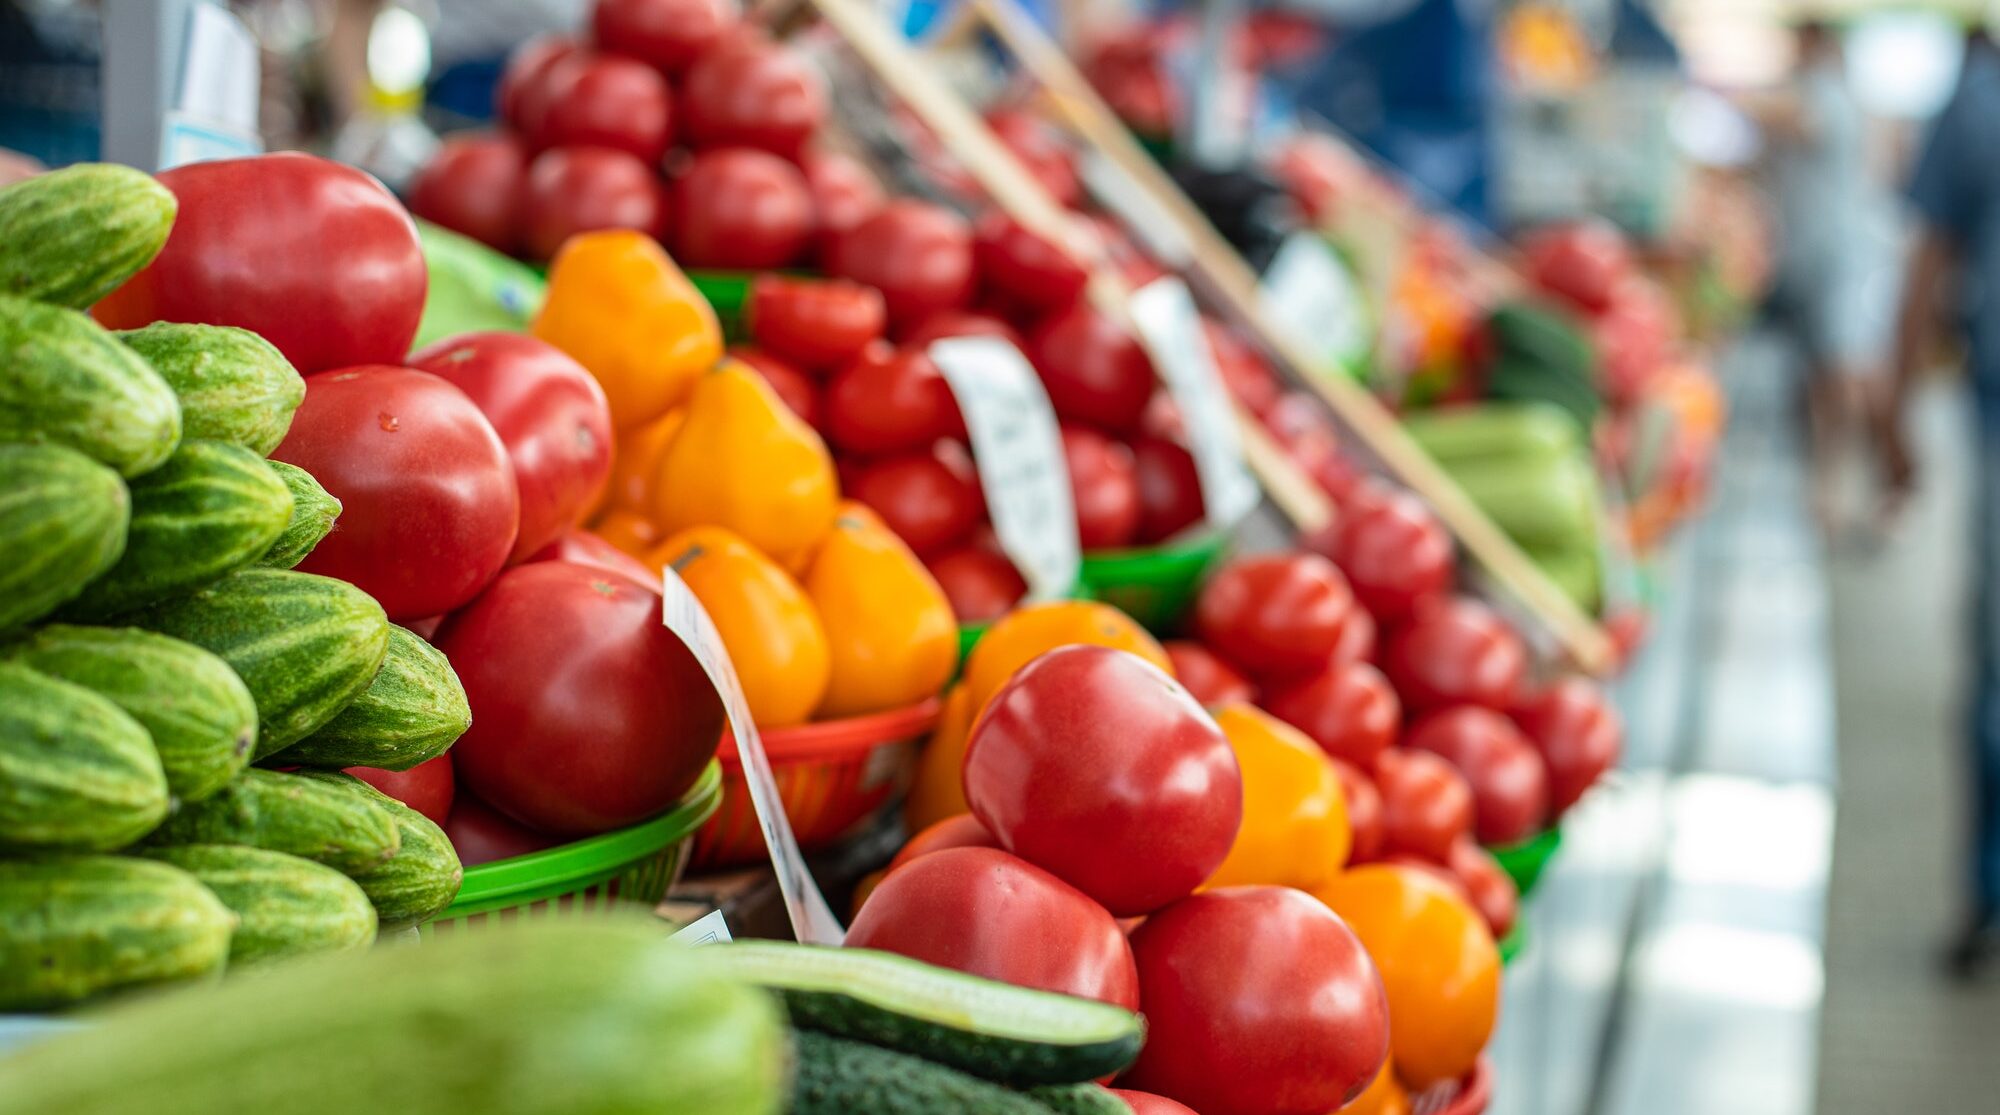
{"x": 1467, "y": 1097}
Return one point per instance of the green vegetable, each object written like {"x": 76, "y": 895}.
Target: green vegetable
{"x": 72, "y": 926}
{"x": 1079, "y": 1099}
{"x": 76, "y": 772}
{"x": 289, "y": 813}
{"x": 285, "y": 906}
{"x": 422, "y": 878}
{"x": 233, "y": 385}
{"x": 412, "y": 712}
{"x": 313, "y": 514}
{"x": 835, "y": 1076}
{"x": 68, "y": 382}
{"x": 1577, "y": 570}
{"x": 1461, "y": 436}
{"x": 1541, "y": 504}
{"x": 62, "y": 523}
{"x": 72, "y": 236}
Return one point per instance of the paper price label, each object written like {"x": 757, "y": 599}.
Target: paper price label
{"x": 1021, "y": 465}
{"x": 709, "y": 929}
{"x": 1170, "y": 329}
{"x": 1310, "y": 292}
{"x": 812, "y": 920}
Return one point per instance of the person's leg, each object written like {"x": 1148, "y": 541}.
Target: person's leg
{"x": 1823, "y": 425}
{"x": 1978, "y": 944}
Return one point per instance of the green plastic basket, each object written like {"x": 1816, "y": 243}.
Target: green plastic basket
{"x": 639, "y": 864}
{"x": 1515, "y": 940}
{"x": 1524, "y": 862}
{"x": 1155, "y": 585}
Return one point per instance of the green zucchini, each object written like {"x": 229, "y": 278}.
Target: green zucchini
{"x": 835, "y": 1076}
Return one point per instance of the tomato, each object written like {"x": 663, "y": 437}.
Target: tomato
{"x": 522, "y": 95}
{"x": 480, "y": 835}
{"x": 752, "y": 93}
{"x": 1274, "y": 615}
{"x": 587, "y": 713}
{"x": 1394, "y": 551}
{"x": 1041, "y": 151}
{"x": 1096, "y": 765}
{"x": 1510, "y": 790}
{"x": 473, "y": 186}
{"x": 738, "y": 207}
{"x": 1426, "y": 804}
{"x": 930, "y": 497}
{"x": 917, "y": 254}
{"x": 1357, "y": 638}
{"x": 1348, "y": 708}
{"x": 981, "y": 583}
{"x": 315, "y": 257}
{"x": 962, "y": 831}
{"x": 581, "y": 547}
{"x": 1249, "y": 379}
{"x": 890, "y": 401}
{"x": 1208, "y": 678}
{"x": 603, "y": 100}
{"x": 667, "y": 35}
{"x": 793, "y": 387}
{"x": 1169, "y": 488}
{"x": 1025, "y": 634}
{"x": 1364, "y": 813}
{"x": 1581, "y": 263}
{"x": 817, "y": 323}
{"x": 1635, "y": 339}
{"x": 1025, "y": 267}
{"x": 982, "y": 911}
{"x": 1146, "y": 1103}
{"x": 426, "y": 787}
{"x": 960, "y": 323}
{"x": 1488, "y": 886}
{"x": 844, "y": 192}
{"x": 1095, "y": 370}
{"x": 583, "y": 189}
{"x": 429, "y": 507}
{"x": 1578, "y": 733}
{"x": 1258, "y": 1000}
{"x": 549, "y": 413}
{"x": 1456, "y": 651}
{"x": 1104, "y": 488}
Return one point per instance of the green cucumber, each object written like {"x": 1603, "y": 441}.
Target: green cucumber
{"x": 995, "y": 1030}
{"x": 411, "y": 713}
{"x": 1462, "y": 436}
{"x": 835, "y": 1076}
{"x": 74, "y": 235}
{"x": 1541, "y": 503}
{"x": 68, "y": 382}
{"x": 1079, "y": 1099}
{"x": 289, "y": 813}
{"x": 233, "y": 385}
{"x": 422, "y": 878}
{"x": 285, "y": 906}
{"x": 313, "y": 513}
{"x": 62, "y": 523}
{"x": 77, "y": 773}
{"x": 74, "y": 926}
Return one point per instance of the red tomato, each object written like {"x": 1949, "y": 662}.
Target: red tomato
{"x": 741, "y": 208}
{"x": 819, "y": 323}
{"x": 1274, "y": 615}
{"x": 1146, "y": 1103}
{"x": 665, "y": 34}
{"x": 1207, "y": 678}
{"x": 982, "y": 911}
{"x": 917, "y": 254}
{"x": 890, "y": 401}
{"x": 550, "y": 414}
{"x": 587, "y": 713}
{"x": 1581, "y": 263}
{"x": 1578, "y": 733}
{"x": 1094, "y": 764}
{"x": 1510, "y": 790}
{"x": 844, "y": 193}
{"x": 930, "y": 497}
{"x": 473, "y": 186}
{"x": 424, "y": 628}
{"x": 1249, "y": 379}
{"x": 1487, "y": 886}
{"x": 583, "y": 189}
{"x": 429, "y": 507}
{"x": 752, "y": 93}
{"x": 960, "y": 323}
{"x": 480, "y": 835}
{"x": 1094, "y": 370}
{"x": 1169, "y": 488}
{"x": 1041, "y": 152}
{"x": 581, "y": 547}
{"x": 981, "y": 584}
{"x": 1357, "y": 638}
{"x": 1455, "y": 651}
{"x": 1426, "y": 805}
{"x": 1348, "y": 708}
{"x": 603, "y": 100}
{"x": 523, "y": 92}
{"x": 1364, "y": 813}
{"x": 1258, "y": 1000}
{"x": 962, "y": 831}
{"x": 1025, "y": 267}
{"x": 1635, "y": 339}
{"x": 1104, "y": 486}
{"x": 426, "y": 787}
{"x": 315, "y": 257}
{"x": 793, "y": 387}
{"x": 1394, "y": 551}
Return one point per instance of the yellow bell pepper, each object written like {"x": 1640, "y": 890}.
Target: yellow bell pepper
{"x": 1294, "y": 831}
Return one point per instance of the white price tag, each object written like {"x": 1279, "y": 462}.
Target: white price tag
{"x": 1021, "y": 465}
{"x": 812, "y": 920}
{"x": 1309, "y": 291}
{"x": 709, "y": 929}
{"x": 1170, "y": 329}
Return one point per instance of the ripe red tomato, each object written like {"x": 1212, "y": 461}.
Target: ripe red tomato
{"x": 818, "y": 323}
{"x": 1094, "y": 370}
{"x": 1274, "y": 615}
{"x": 473, "y": 186}
{"x": 1510, "y": 790}
{"x": 1094, "y": 764}
{"x": 1578, "y": 733}
{"x": 960, "y": 323}
{"x": 550, "y": 414}
{"x": 1581, "y": 263}
{"x": 1348, "y": 708}
{"x": 793, "y": 387}
{"x": 429, "y": 507}
{"x": 582, "y": 547}
{"x": 844, "y": 192}
{"x": 890, "y": 401}
{"x": 426, "y": 787}
{"x": 1357, "y": 638}
{"x": 587, "y": 713}
{"x": 583, "y": 189}
{"x": 1394, "y": 551}
{"x": 1024, "y": 267}
{"x": 603, "y": 100}
{"x": 1635, "y": 338}
{"x": 1041, "y": 151}
{"x": 917, "y": 254}
{"x": 1258, "y": 1000}
{"x": 1169, "y": 488}
{"x": 753, "y": 93}
{"x": 1364, "y": 813}
{"x": 982, "y": 911}
{"x": 1249, "y": 379}
{"x": 930, "y": 497}
{"x": 665, "y": 34}
{"x": 962, "y": 831}
{"x": 741, "y": 208}
{"x": 315, "y": 257}
{"x": 524, "y": 90}
{"x": 1146, "y": 1103}
{"x": 1426, "y": 804}
{"x": 1455, "y": 651}
{"x": 981, "y": 584}
{"x": 1104, "y": 486}
{"x": 1487, "y": 886}
{"x": 480, "y": 835}
{"x": 1206, "y": 677}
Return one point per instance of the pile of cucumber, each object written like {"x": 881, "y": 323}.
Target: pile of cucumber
{"x": 155, "y": 642}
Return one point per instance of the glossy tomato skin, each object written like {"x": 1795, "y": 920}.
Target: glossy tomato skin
{"x": 618, "y": 721}
{"x": 844, "y": 192}
{"x": 740, "y": 208}
{"x": 1456, "y": 651}
{"x": 1104, "y": 488}
{"x": 315, "y": 257}
{"x": 981, "y": 584}
{"x": 1095, "y": 371}
{"x": 604, "y": 100}
{"x": 917, "y": 254}
{"x": 1024, "y": 267}
{"x": 930, "y": 498}
{"x": 1146, "y": 1103}
{"x": 1275, "y": 615}
{"x": 1249, "y": 379}
{"x": 962, "y": 831}
{"x": 890, "y": 401}
{"x": 1169, "y": 488}
{"x": 550, "y": 414}
{"x": 794, "y": 388}
{"x": 983, "y": 911}
{"x": 480, "y": 835}
{"x": 960, "y": 323}
{"x": 1207, "y": 677}
{"x": 752, "y": 93}
{"x": 1582, "y": 263}
{"x": 1487, "y": 886}
{"x": 816, "y": 323}
{"x": 524, "y": 84}
{"x": 1426, "y": 804}
{"x": 1510, "y": 792}
{"x": 1041, "y": 151}
{"x": 1364, "y": 814}
{"x": 1359, "y": 638}
{"x": 582, "y": 547}
{"x": 1578, "y": 733}
{"x": 1394, "y": 551}
{"x": 1094, "y": 764}
{"x": 667, "y": 35}
{"x": 583, "y": 189}
{"x": 1349, "y": 709}
{"x": 1258, "y": 1000}
{"x": 473, "y": 186}
{"x": 429, "y": 506}
{"x": 427, "y": 787}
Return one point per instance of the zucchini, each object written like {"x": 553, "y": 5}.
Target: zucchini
{"x": 840, "y": 1077}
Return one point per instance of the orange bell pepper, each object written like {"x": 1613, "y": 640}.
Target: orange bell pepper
{"x": 635, "y": 458}
{"x": 1294, "y": 831}
{"x": 939, "y": 790}
{"x": 629, "y": 531}
{"x": 1023, "y": 635}
{"x": 767, "y": 624}
{"x": 891, "y": 632}
{"x": 1384, "y": 1097}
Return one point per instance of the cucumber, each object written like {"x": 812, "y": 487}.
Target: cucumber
{"x": 562, "y": 1016}
{"x": 62, "y": 523}
{"x": 835, "y": 1076}
{"x": 211, "y": 508}
{"x": 76, "y": 772}
{"x": 233, "y": 385}
{"x": 289, "y": 813}
{"x": 284, "y": 906}
{"x": 201, "y": 717}
{"x": 412, "y": 712}
{"x": 422, "y": 878}
{"x": 1460, "y": 436}
{"x": 313, "y": 513}
{"x": 70, "y": 383}
{"x": 73, "y": 235}
{"x": 995, "y": 1030}
{"x": 1078, "y": 1099}
{"x": 1540, "y": 503}
{"x": 72, "y": 926}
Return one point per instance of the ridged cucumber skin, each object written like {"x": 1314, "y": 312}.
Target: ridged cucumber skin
{"x": 70, "y": 383}
{"x": 305, "y": 645}
{"x": 287, "y": 813}
{"x": 63, "y": 518}
{"x": 285, "y": 906}
{"x": 560, "y": 1016}
{"x": 77, "y": 774}
{"x": 424, "y": 875}
{"x": 413, "y": 711}
{"x": 212, "y": 508}
{"x": 1541, "y": 504}
{"x": 1078, "y": 1099}
{"x": 73, "y": 926}
{"x": 73, "y": 235}
{"x": 233, "y": 385}
{"x": 313, "y": 513}
{"x": 835, "y": 1076}
{"x": 199, "y": 714}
